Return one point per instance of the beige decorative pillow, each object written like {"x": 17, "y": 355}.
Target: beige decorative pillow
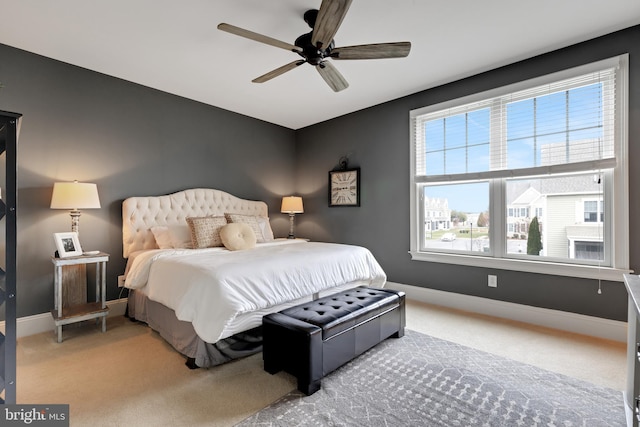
{"x": 172, "y": 236}
{"x": 237, "y": 236}
{"x": 205, "y": 231}
{"x": 259, "y": 224}
{"x": 162, "y": 236}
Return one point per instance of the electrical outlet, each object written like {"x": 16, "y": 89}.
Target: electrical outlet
{"x": 493, "y": 281}
{"x": 121, "y": 281}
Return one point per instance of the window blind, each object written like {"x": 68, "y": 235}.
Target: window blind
{"x": 562, "y": 126}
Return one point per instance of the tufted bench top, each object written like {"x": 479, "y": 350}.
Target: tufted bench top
{"x": 344, "y": 310}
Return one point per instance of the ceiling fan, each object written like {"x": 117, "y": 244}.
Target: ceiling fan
{"x": 318, "y": 45}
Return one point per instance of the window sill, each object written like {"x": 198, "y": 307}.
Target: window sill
{"x": 552, "y": 268}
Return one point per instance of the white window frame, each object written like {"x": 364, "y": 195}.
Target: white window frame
{"x": 599, "y": 211}
{"x": 616, "y": 184}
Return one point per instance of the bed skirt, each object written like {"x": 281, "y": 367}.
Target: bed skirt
{"x": 184, "y": 339}
{"x": 243, "y": 339}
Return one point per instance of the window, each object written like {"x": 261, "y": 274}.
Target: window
{"x": 590, "y": 211}
{"x": 527, "y": 174}
{"x": 593, "y": 211}
{"x": 588, "y": 250}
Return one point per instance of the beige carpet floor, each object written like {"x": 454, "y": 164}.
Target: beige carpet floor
{"x": 129, "y": 376}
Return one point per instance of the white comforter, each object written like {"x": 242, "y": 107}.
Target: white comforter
{"x": 210, "y": 287}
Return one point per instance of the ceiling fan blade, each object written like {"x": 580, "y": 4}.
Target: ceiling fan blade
{"x": 372, "y": 51}
{"x": 280, "y": 70}
{"x": 332, "y": 76}
{"x": 257, "y": 37}
{"x": 330, "y": 16}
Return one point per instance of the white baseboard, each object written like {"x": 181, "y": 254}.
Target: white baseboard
{"x": 572, "y": 322}
{"x": 562, "y": 320}
{"x": 31, "y": 325}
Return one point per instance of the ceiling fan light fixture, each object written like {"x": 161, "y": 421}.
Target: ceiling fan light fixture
{"x": 325, "y": 23}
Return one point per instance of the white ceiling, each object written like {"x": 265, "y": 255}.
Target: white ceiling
{"x": 174, "y": 46}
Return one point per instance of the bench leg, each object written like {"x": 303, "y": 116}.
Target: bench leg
{"x": 398, "y": 334}
{"x": 272, "y": 368}
{"x": 308, "y": 388}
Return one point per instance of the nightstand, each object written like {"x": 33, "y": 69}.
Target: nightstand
{"x": 64, "y": 315}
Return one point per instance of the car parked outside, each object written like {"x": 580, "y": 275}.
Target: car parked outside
{"x": 448, "y": 237}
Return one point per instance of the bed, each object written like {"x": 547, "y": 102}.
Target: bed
{"x": 208, "y": 301}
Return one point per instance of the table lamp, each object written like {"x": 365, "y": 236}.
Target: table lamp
{"x": 291, "y": 205}
{"x": 75, "y": 196}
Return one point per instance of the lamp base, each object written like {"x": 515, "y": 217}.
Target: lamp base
{"x": 291, "y": 219}
{"x": 75, "y": 220}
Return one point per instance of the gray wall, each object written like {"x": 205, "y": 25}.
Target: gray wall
{"x": 377, "y": 140}
{"x": 133, "y": 140}
{"x": 130, "y": 140}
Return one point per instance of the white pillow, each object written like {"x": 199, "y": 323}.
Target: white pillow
{"x": 265, "y": 226}
{"x": 237, "y": 236}
{"x": 259, "y": 224}
{"x": 172, "y": 236}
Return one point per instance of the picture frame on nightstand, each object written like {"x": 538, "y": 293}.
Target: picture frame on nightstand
{"x": 67, "y": 244}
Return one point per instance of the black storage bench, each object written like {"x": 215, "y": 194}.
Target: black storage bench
{"x": 312, "y": 339}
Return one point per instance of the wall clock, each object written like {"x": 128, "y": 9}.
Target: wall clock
{"x": 344, "y": 187}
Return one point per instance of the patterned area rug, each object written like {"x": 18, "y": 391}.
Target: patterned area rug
{"x": 420, "y": 380}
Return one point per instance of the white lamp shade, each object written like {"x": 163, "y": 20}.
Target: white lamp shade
{"x": 292, "y": 204}
{"x": 75, "y": 195}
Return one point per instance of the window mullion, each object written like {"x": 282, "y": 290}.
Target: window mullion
{"x": 567, "y": 138}
{"x": 444, "y": 145}
{"x": 498, "y": 149}
{"x": 498, "y": 135}
{"x": 497, "y": 217}
{"x": 535, "y": 131}
{"x": 466, "y": 142}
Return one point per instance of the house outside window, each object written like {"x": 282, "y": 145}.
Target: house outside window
{"x": 552, "y": 149}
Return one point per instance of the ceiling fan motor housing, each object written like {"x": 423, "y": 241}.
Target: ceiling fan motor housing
{"x": 311, "y": 53}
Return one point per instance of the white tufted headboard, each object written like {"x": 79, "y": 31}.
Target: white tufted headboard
{"x": 139, "y": 214}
